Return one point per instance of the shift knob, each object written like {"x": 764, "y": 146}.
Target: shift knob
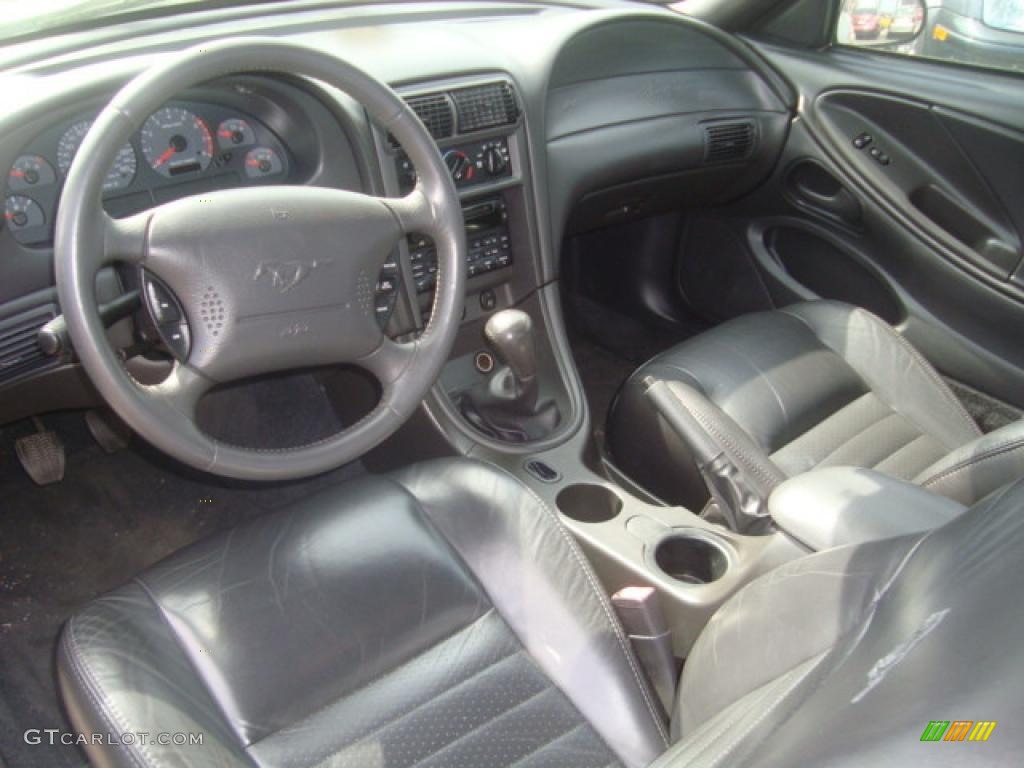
{"x": 510, "y": 334}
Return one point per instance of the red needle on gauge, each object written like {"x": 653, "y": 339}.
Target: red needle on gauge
{"x": 167, "y": 155}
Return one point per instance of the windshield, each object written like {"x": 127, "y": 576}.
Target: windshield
{"x": 31, "y": 18}
{"x": 1005, "y": 14}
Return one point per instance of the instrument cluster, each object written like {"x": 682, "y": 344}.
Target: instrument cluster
{"x": 184, "y": 148}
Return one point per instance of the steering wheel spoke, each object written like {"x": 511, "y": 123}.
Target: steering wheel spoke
{"x": 125, "y": 239}
{"x": 414, "y": 212}
{"x": 182, "y": 390}
{"x": 389, "y": 361}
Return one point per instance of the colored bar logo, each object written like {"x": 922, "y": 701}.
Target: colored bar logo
{"x": 958, "y": 730}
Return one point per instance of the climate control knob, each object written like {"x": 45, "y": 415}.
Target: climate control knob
{"x": 494, "y": 161}
{"x": 459, "y": 165}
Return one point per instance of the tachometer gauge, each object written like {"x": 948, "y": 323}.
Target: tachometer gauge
{"x": 262, "y": 161}
{"x": 28, "y": 172}
{"x": 233, "y": 133}
{"x": 22, "y": 212}
{"x": 176, "y": 142}
{"x": 121, "y": 173}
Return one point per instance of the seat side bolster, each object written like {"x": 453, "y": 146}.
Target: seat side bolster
{"x": 121, "y": 671}
{"x": 541, "y": 584}
{"x": 975, "y": 470}
{"x": 892, "y": 367}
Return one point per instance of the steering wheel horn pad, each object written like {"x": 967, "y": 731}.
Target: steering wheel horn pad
{"x": 285, "y": 277}
{"x": 270, "y": 278}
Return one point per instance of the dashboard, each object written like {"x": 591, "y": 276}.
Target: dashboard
{"x": 184, "y": 148}
{"x": 551, "y": 120}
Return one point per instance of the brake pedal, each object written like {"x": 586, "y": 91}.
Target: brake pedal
{"x": 41, "y": 455}
{"x": 108, "y": 430}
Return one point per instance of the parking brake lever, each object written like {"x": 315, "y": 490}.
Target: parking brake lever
{"x": 740, "y": 504}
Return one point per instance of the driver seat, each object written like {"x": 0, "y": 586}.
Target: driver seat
{"x": 445, "y": 617}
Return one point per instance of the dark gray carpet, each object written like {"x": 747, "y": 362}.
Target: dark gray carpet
{"x": 64, "y": 544}
{"x": 608, "y": 346}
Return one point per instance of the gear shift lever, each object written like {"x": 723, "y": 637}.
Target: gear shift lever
{"x": 510, "y": 334}
{"x": 505, "y": 406}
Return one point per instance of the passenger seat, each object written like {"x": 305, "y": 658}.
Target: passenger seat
{"x": 774, "y": 394}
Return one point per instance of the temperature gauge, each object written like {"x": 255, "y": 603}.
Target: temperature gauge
{"x": 30, "y": 171}
{"x": 233, "y": 133}
{"x": 23, "y": 213}
{"x": 262, "y": 161}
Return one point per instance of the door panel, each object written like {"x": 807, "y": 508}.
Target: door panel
{"x": 906, "y": 149}
{"x": 928, "y": 228}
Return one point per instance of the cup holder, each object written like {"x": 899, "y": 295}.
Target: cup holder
{"x": 691, "y": 558}
{"x": 589, "y": 503}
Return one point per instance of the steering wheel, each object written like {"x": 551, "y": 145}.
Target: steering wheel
{"x": 269, "y": 278}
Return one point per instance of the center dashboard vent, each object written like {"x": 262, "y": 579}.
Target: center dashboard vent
{"x": 728, "y": 141}
{"x": 477, "y": 107}
{"x": 435, "y": 110}
{"x": 19, "y": 350}
{"x": 486, "y": 106}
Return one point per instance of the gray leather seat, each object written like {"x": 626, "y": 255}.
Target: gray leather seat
{"x": 440, "y": 618}
{"x": 816, "y": 384}
{"x": 445, "y": 617}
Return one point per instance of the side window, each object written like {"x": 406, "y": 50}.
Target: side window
{"x": 985, "y": 33}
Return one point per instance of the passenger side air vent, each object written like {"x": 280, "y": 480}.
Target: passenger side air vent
{"x": 19, "y": 350}
{"x": 485, "y": 106}
{"x": 436, "y": 113}
{"x": 728, "y": 142}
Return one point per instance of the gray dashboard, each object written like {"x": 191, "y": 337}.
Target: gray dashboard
{"x": 600, "y": 137}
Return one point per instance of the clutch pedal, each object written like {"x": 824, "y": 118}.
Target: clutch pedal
{"x": 41, "y": 455}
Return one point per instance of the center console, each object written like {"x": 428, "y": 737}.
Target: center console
{"x": 510, "y": 394}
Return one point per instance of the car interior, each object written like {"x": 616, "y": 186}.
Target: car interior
{"x": 512, "y": 383}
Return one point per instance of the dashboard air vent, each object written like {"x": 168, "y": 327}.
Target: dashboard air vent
{"x": 485, "y": 106}
{"x": 728, "y": 142}
{"x": 19, "y": 350}
{"x": 436, "y": 113}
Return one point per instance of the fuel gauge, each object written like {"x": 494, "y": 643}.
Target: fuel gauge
{"x": 262, "y": 161}
{"x": 233, "y": 133}
{"x": 22, "y": 212}
{"x": 28, "y": 172}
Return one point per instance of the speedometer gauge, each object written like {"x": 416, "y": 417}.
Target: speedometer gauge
{"x": 121, "y": 173}
{"x": 175, "y": 142}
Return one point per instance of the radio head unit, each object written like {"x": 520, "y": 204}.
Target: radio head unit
{"x": 488, "y": 245}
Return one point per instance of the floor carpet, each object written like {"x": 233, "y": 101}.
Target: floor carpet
{"x": 608, "y": 346}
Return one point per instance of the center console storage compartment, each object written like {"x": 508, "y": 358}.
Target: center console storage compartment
{"x": 837, "y": 506}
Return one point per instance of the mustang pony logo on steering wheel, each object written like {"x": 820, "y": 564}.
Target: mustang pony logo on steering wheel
{"x": 285, "y": 275}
